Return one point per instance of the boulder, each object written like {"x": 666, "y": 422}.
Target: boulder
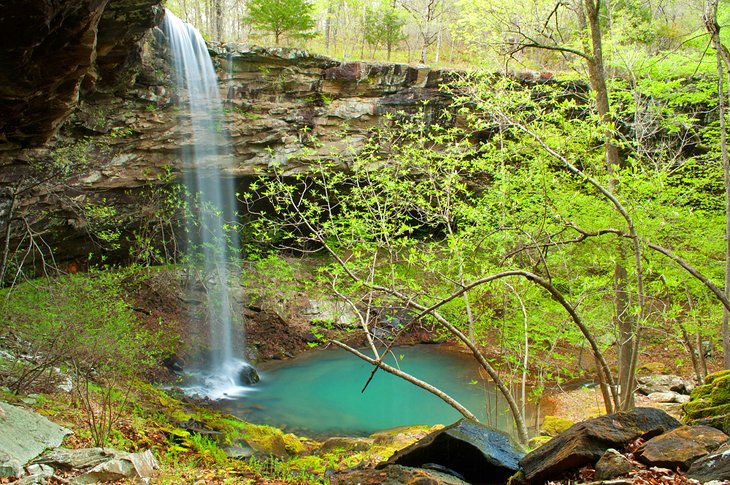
{"x": 403, "y": 436}
{"x": 401, "y": 475}
{"x": 709, "y": 404}
{"x": 472, "y": 450}
{"x": 612, "y": 465}
{"x": 132, "y": 466}
{"x": 77, "y": 459}
{"x": 666, "y": 397}
{"x": 23, "y": 436}
{"x": 247, "y": 375}
{"x": 680, "y": 447}
{"x": 715, "y": 466}
{"x": 586, "y": 442}
{"x": 37, "y": 475}
{"x": 10, "y": 467}
{"x": 652, "y": 368}
{"x": 663, "y": 383}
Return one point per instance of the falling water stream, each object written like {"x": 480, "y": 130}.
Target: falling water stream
{"x": 211, "y": 197}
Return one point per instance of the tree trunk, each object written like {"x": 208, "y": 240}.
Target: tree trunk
{"x": 625, "y": 327}
{"x": 327, "y": 27}
{"x": 723, "y": 62}
{"x": 219, "y": 28}
{"x": 628, "y": 338}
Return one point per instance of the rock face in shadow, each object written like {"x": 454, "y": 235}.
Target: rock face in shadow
{"x": 586, "y": 442}
{"x": 52, "y": 50}
{"x": 473, "y": 451}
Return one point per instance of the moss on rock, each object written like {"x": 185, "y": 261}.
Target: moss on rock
{"x": 701, "y": 391}
{"x": 720, "y": 393}
{"x": 717, "y": 375}
{"x": 293, "y": 445}
{"x": 652, "y": 368}
{"x": 554, "y": 425}
{"x": 709, "y": 404}
{"x": 691, "y": 408}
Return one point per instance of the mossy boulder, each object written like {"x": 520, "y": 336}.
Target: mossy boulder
{"x": 403, "y": 436}
{"x": 293, "y": 445}
{"x": 709, "y": 404}
{"x": 652, "y": 368}
{"x": 267, "y": 441}
{"x": 554, "y": 425}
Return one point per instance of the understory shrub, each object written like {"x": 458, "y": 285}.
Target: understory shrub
{"x": 77, "y": 327}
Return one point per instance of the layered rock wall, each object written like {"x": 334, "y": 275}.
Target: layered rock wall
{"x": 91, "y": 118}
{"x": 282, "y": 106}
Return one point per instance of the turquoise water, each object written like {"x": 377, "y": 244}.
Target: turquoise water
{"x": 319, "y": 393}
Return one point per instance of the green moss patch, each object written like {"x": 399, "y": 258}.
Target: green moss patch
{"x": 554, "y": 425}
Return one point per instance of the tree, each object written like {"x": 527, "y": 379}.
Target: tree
{"x": 384, "y": 25}
{"x": 589, "y": 20}
{"x": 723, "y": 64}
{"x": 281, "y": 17}
{"x": 407, "y": 230}
{"x": 427, "y": 15}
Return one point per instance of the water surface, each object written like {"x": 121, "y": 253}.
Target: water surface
{"x": 319, "y": 393}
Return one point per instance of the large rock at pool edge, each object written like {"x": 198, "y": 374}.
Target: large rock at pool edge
{"x": 585, "y": 442}
{"x": 474, "y": 451}
{"x": 247, "y": 375}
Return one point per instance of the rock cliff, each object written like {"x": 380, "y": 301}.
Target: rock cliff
{"x": 91, "y": 119}
{"x": 53, "y": 51}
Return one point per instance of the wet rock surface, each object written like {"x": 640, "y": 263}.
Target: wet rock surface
{"x": 715, "y": 466}
{"x": 247, "y": 375}
{"x": 473, "y": 451}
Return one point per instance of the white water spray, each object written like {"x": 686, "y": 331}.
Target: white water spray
{"x": 213, "y": 198}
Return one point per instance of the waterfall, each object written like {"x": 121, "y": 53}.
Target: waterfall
{"x": 212, "y": 201}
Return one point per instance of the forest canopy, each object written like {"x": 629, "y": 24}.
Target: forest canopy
{"x": 641, "y": 35}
